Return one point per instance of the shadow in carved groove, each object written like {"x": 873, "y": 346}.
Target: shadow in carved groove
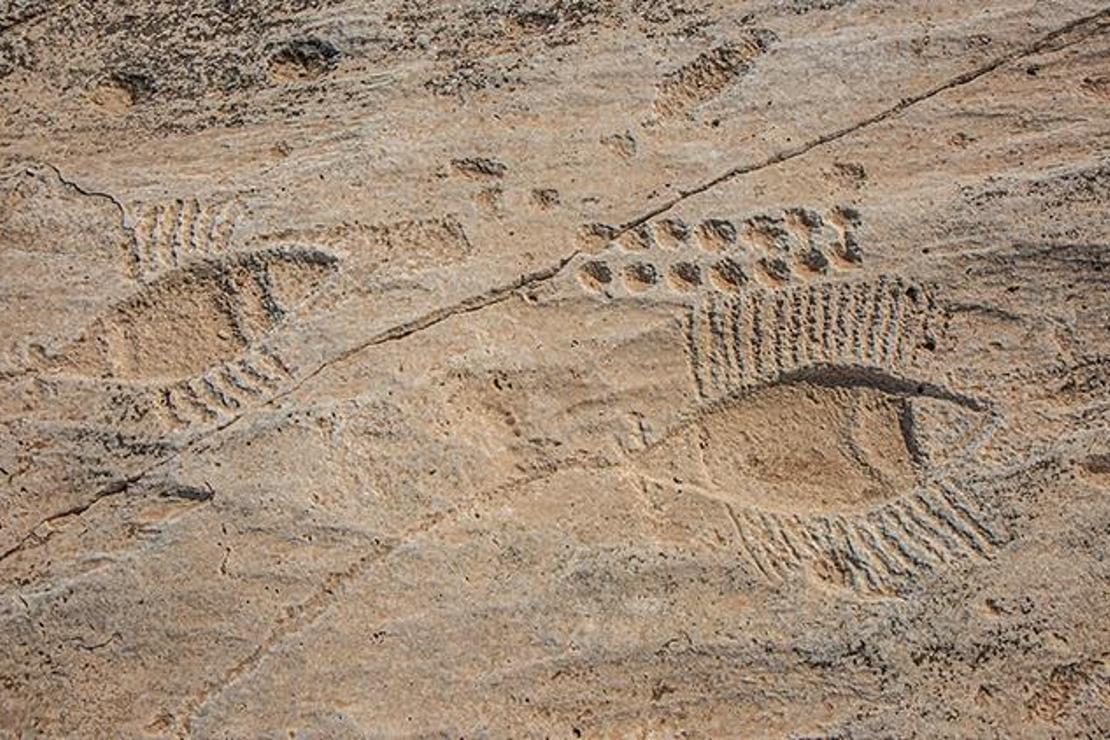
{"x": 844, "y": 472}
{"x": 736, "y": 341}
{"x": 826, "y": 453}
{"x": 197, "y": 334}
{"x": 669, "y": 256}
{"x": 172, "y": 234}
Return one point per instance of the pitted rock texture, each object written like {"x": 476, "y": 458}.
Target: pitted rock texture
{"x": 531, "y": 368}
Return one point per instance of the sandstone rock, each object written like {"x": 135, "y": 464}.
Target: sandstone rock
{"x": 554, "y": 369}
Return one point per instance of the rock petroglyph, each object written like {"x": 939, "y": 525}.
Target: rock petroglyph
{"x": 537, "y": 368}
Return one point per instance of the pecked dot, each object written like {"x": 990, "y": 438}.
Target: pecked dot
{"x": 719, "y": 230}
{"x": 728, "y": 274}
{"x": 595, "y": 274}
{"x": 640, "y": 276}
{"x": 686, "y": 275}
{"x": 776, "y": 268}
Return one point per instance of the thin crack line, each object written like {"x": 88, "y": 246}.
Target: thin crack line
{"x": 497, "y": 295}
{"x": 303, "y": 616}
{"x": 395, "y": 333}
{"x": 312, "y": 610}
{"x": 1041, "y": 44}
{"x": 295, "y": 619}
{"x": 28, "y": 167}
{"x": 114, "y": 488}
{"x": 89, "y": 193}
{"x": 467, "y": 305}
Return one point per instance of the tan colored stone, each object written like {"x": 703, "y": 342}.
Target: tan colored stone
{"x": 554, "y": 369}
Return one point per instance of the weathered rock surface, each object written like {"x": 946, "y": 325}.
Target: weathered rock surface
{"x": 553, "y": 368}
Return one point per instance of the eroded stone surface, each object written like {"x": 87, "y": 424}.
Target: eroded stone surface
{"x": 554, "y": 369}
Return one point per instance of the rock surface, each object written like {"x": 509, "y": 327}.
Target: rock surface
{"x": 552, "y": 368}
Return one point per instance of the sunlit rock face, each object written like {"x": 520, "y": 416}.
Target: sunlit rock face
{"x": 554, "y": 369}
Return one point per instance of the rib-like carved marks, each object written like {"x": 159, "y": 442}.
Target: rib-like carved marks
{"x": 796, "y": 245}
{"x": 830, "y": 459}
{"x": 708, "y": 75}
{"x": 741, "y": 341}
{"x": 221, "y": 393}
{"x": 195, "y": 318}
{"x": 168, "y": 236}
{"x": 837, "y": 473}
